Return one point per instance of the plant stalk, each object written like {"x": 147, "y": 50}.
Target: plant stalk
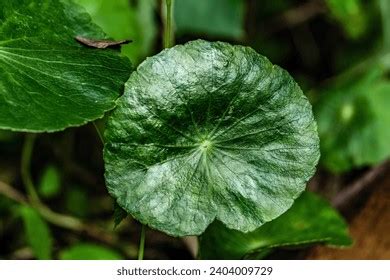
{"x": 27, "y": 151}
{"x": 142, "y": 243}
{"x": 168, "y": 26}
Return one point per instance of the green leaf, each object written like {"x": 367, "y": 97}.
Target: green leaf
{"x": 351, "y": 14}
{"x": 222, "y": 18}
{"x": 310, "y": 220}
{"x": 209, "y": 131}
{"x": 87, "y": 251}
{"x": 37, "y": 233}
{"x": 353, "y": 120}
{"x": 119, "y": 215}
{"x": 48, "y": 81}
{"x": 124, "y": 19}
{"x": 50, "y": 182}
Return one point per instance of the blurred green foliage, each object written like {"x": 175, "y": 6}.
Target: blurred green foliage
{"x": 88, "y": 251}
{"x": 49, "y": 184}
{"x": 219, "y": 18}
{"x": 385, "y": 11}
{"x": 353, "y": 121}
{"x": 76, "y": 201}
{"x": 351, "y": 14}
{"x": 38, "y": 234}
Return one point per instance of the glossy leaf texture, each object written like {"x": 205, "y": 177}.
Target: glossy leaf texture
{"x": 353, "y": 119}
{"x": 309, "y": 221}
{"x": 209, "y": 131}
{"x": 38, "y": 233}
{"x": 48, "y": 81}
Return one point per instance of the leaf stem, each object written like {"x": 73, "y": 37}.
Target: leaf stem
{"x": 141, "y": 248}
{"x": 168, "y": 26}
{"x": 27, "y": 151}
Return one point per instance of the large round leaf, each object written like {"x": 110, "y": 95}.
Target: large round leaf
{"x": 48, "y": 81}
{"x": 209, "y": 130}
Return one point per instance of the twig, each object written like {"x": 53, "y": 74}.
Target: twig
{"x": 356, "y": 187}
{"x": 11, "y": 193}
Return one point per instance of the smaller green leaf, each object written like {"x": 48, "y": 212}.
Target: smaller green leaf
{"x": 223, "y": 18}
{"x": 38, "y": 234}
{"x": 119, "y": 214}
{"x": 310, "y": 220}
{"x": 88, "y": 251}
{"x": 50, "y": 182}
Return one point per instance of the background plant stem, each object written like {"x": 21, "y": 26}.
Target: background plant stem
{"x": 168, "y": 26}
{"x": 142, "y": 243}
{"x": 28, "y": 147}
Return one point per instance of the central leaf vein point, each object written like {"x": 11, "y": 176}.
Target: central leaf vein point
{"x": 206, "y": 145}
